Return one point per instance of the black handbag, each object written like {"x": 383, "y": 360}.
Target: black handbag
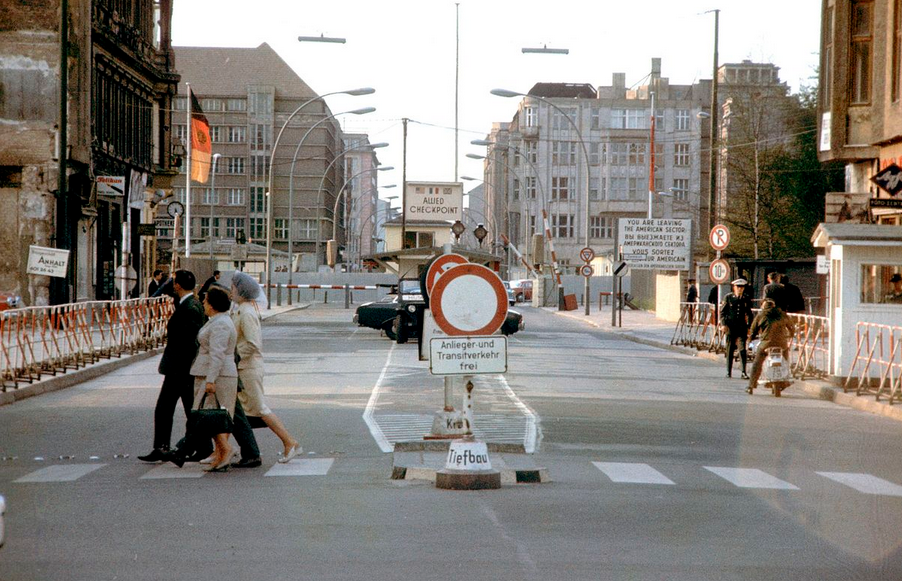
{"x": 210, "y": 421}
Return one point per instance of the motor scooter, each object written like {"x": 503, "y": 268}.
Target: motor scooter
{"x": 775, "y": 372}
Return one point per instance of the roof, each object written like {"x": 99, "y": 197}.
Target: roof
{"x": 856, "y": 234}
{"x": 224, "y": 71}
{"x": 564, "y": 90}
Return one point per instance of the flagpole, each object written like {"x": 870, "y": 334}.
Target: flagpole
{"x": 190, "y": 134}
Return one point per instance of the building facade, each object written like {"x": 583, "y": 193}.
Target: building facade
{"x": 118, "y": 88}
{"x": 538, "y": 162}
{"x": 359, "y": 194}
{"x": 860, "y": 98}
{"x": 247, "y": 95}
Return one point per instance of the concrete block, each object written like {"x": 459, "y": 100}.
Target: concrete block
{"x": 454, "y": 480}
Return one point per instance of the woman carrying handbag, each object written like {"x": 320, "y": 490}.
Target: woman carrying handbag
{"x": 215, "y": 372}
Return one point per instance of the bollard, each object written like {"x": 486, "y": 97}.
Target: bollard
{"x": 289, "y": 296}
{"x": 278, "y": 295}
{"x": 325, "y": 297}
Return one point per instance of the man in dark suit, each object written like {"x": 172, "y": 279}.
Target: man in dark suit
{"x": 175, "y": 366}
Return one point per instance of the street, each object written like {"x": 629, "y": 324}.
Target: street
{"x": 660, "y": 469}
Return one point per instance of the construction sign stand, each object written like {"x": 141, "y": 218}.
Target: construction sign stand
{"x": 469, "y": 304}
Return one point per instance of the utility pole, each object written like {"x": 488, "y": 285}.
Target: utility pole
{"x": 404, "y": 186}
{"x": 712, "y": 201}
{"x": 456, "y": 84}
{"x": 60, "y": 286}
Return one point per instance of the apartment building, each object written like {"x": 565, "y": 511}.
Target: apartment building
{"x": 358, "y": 200}
{"x": 247, "y": 95}
{"x": 537, "y": 161}
{"x": 860, "y": 101}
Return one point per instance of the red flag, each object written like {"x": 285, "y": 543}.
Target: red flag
{"x": 201, "y": 147}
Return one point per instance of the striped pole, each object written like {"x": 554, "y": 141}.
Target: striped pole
{"x": 554, "y": 267}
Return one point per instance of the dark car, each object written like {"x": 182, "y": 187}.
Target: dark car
{"x": 399, "y": 314}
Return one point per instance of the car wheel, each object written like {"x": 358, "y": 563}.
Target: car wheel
{"x": 399, "y": 330}
{"x": 389, "y": 329}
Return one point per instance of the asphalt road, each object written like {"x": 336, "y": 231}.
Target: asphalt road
{"x": 660, "y": 467}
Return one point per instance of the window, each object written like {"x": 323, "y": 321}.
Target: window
{"x": 682, "y": 120}
{"x": 638, "y": 188}
{"x": 881, "y": 283}
{"x": 618, "y": 119}
{"x": 180, "y": 104}
{"x": 258, "y": 199}
{"x": 532, "y": 152}
{"x": 235, "y": 196}
{"x": 595, "y": 114}
{"x": 207, "y": 196}
{"x": 237, "y": 134}
{"x": 261, "y": 136}
{"x": 234, "y": 165}
{"x": 307, "y": 229}
{"x": 205, "y": 227}
{"x": 593, "y": 188}
{"x": 563, "y": 152}
{"x": 595, "y": 150}
{"x": 562, "y": 225}
{"x": 516, "y": 189}
{"x": 211, "y": 104}
{"x": 532, "y": 225}
{"x": 559, "y": 120}
{"x": 531, "y": 188}
{"x": 681, "y": 154}
{"x": 179, "y": 194}
{"x": 236, "y": 105}
{"x": 531, "y": 115}
{"x": 164, "y": 227}
{"x": 619, "y": 153}
{"x": 258, "y": 228}
{"x": 232, "y": 227}
{"x": 860, "y": 51}
{"x": 637, "y": 153}
{"x": 636, "y": 119}
{"x": 280, "y": 228}
{"x": 681, "y": 189}
{"x": 601, "y": 227}
{"x": 559, "y": 188}
{"x": 181, "y": 132}
{"x": 618, "y": 188}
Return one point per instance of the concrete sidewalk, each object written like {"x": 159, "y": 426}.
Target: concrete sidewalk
{"x": 94, "y": 370}
{"x": 644, "y": 327}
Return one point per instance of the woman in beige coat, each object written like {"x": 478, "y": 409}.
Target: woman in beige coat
{"x": 245, "y": 291}
{"x": 214, "y": 368}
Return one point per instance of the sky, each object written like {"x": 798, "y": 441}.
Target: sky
{"x": 405, "y": 49}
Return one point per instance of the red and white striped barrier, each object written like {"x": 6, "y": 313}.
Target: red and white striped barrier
{"x": 323, "y": 286}
{"x": 557, "y": 271}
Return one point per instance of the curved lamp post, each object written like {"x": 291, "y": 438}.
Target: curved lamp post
{"x": 341, "y": 191}
{"x": 579, "y": 135}
{"x": 272, "y": 156}
{"x": 322, "y": 182}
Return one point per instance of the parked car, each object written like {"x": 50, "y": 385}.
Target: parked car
{"x": 511, "y": 297}
{"x": 522, "y": 289}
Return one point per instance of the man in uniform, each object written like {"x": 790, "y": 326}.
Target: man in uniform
{"x": 735, "y": 316}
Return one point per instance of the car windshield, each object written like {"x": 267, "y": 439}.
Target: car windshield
{"x": 410, "y": 287}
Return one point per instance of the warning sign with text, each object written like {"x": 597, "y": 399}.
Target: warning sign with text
{"x": 431, "y": 201}
{"x": 658, "y": 244}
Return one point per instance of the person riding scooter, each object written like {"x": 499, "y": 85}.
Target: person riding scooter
{"x": 776, "y": 330}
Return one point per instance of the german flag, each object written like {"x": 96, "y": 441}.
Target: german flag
{"x": 201, "y": 147}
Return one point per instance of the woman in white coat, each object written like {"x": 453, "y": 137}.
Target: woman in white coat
{"x": 246, "y": 318}
{"x": 214, "y": 368}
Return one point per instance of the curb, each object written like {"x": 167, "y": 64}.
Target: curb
{"x": 817, "y": 388}
{"x": 74, "y": 377}
{"x": 270, "y": 315}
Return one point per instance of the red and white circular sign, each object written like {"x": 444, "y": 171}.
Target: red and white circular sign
{"x": 467, "y": 300}
{"x": 719, "y": 237}
{"x": 586, "y": 270}
{"x": 441, "y": 265}
{"x": 587, "y": 254}
{"x": 719, "y": 271}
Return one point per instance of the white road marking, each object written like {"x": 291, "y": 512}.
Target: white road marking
{"x": 750, "y": 478}
{"x": 634, "y": 473}
{"x": 375, "y": 430}
{"x": 865, "y": 483}
{"x": 60, "y": 473}
{"x": 167, "y": 470}
{"x": 304, "y": 467}
{"x": 533, "y": 432}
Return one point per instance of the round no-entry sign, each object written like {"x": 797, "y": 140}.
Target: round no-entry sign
{"x": 719, "y": 271}
{"x": 441, "y": 265}
{"x": 719, "y": 237}
{"x": 467, "y": 300}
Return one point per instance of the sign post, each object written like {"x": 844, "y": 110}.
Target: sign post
{"x": 719, "y": 271}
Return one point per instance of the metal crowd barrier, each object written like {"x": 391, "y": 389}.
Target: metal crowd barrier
{"x": 877, "y": 367}
{"x": 808, "y": 351}
{"x": 36, "y": 341}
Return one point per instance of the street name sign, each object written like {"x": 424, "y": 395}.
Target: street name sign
{"x": 719, "y": 237}
{"x": 657, "y": 244}
{"x": 47, "y": 261}
{"x": 468, "y": 355}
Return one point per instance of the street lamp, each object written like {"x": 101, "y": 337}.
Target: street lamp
{"x": 216, "y": 157}
{"x": 272, "y": 157}
{"x": 342, "y": 190}
{"x": 579, "y": 135}
{"x": 545, "y": 50}
{"x": 362, "y": 111}
{"x": 319, "y": 194}
{"x": 322, "y": 38}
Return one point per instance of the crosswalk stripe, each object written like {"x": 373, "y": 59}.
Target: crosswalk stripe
{"x": 60, "y": 473}
{"x": 305, "y": 467}
{"x": 167, "y": 470}
{"x": 750, "y": 478}
{"x": 634, "y": 473}
{"x": 865, "y": 483}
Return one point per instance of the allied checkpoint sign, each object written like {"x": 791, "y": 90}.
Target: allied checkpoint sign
{"x": 468, "y": 303}
{"x": 431, "y": 201}
{"x": 657, "y": 244}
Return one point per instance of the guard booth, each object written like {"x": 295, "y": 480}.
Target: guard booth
{"x": 862, "y": 259}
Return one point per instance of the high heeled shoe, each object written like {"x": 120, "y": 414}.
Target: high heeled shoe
{"x": 221, "y": 467}
{"x": 292, "y": 453}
